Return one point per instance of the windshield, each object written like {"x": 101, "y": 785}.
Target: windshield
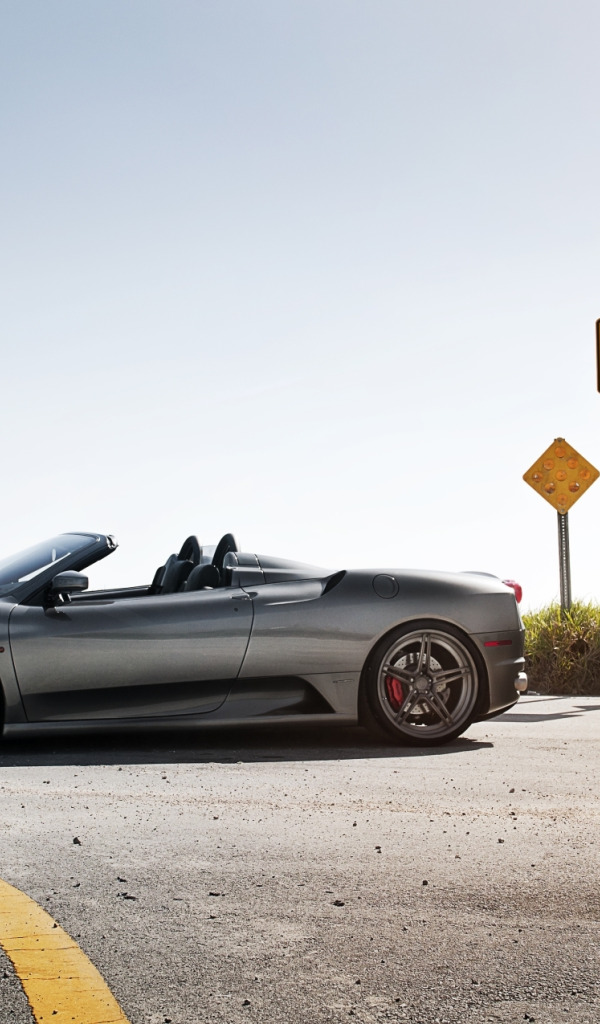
{"x": 28, "y": 564}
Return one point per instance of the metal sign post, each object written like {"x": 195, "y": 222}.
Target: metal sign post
{"x": 564, "y": 561}
{"x": 561, "y": 475}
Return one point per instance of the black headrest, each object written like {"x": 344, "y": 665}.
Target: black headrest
{"x": 176, "y": 573}
{"x": 203, "y": 576}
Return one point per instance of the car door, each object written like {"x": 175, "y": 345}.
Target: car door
{"x": 130, "y": 657}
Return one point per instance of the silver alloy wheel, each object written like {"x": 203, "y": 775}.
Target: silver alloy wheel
{"x": 427, "y": 685}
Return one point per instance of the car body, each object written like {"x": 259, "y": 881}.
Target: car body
{"x": 224, "y": 636}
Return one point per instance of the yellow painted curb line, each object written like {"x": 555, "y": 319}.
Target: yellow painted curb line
{"x": 61, "y": 984}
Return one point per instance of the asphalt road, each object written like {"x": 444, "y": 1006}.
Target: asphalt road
{"x": 311, "y": 876}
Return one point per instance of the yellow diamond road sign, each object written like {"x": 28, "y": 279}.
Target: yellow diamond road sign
{"x": 561, "y": 475}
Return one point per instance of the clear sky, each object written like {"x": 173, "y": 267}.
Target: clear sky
{"x": 323, "y": 273}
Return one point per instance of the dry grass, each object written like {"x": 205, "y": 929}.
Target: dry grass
{"x": 563, "y": 651}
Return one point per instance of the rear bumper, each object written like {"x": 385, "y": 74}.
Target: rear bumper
{"x": 503, "y": 654}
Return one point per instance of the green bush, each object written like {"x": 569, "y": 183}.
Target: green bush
{"x": 563, "y": 650}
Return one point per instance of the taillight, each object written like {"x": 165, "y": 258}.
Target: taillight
{"x": 518, "y": 589}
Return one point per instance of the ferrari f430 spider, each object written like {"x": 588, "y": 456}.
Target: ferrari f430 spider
{"x": 225, "y": 636}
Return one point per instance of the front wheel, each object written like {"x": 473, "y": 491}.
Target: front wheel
{"x": 420, "y": 686}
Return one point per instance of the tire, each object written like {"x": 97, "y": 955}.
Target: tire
{"x": 420, "y": 685}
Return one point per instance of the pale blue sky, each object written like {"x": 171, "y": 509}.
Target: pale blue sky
{"x": 324, "y": 274}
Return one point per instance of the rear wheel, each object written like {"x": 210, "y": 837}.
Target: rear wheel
{"x": 420, "y": 685}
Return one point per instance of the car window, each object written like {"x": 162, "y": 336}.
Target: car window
{"x": 27, "y": 564}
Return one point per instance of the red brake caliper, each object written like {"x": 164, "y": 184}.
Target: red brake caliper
{"x": 396, "y": 694}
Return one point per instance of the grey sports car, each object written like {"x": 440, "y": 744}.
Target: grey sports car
{"x": 223, "y": 636}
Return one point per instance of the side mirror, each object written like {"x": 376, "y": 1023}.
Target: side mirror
{"x": 65, "y": 584}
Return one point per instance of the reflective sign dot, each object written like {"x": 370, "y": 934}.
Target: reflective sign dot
{"x": 548, "y": 463}
{"x": 536, "y": 477}
{"x": 585, "y": 474}
{"x": 561, "y": 499}
{"x": 574, "y": 486}
{"x": 561, "y": 474}
{"x": 560, "y": 452}
{"x": 550, "y": 488}
{"x": 572, "y": 463}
